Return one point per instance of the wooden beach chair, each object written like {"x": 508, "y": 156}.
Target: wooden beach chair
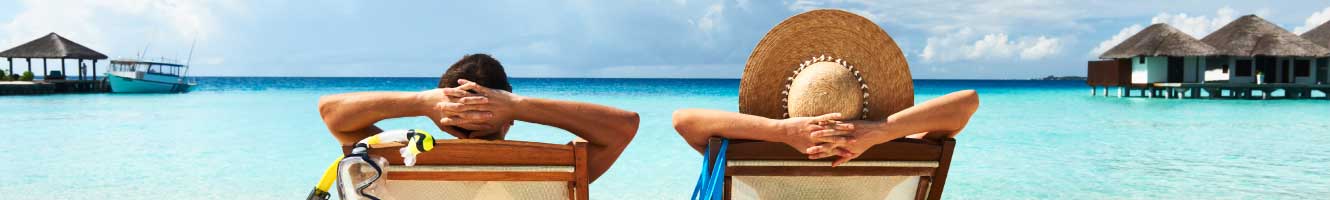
{"x": 909, "y": 168}
{"x": 482, "y": 169}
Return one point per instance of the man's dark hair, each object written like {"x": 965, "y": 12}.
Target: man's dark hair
{"x": 479, "y": 68}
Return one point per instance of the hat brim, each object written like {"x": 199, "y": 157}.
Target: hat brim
{"x": 834, "y": 33}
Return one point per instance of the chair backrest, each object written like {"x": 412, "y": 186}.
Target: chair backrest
{"x": 479, "y": 161}
{"x": 928, "y": 160}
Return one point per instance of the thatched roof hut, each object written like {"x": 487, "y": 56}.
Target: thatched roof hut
{"x": 52, "y": 46}
{"x": 1319, "y": 35}
{"x": 1159, "y": 40}
{"x": 1252, "y": 36}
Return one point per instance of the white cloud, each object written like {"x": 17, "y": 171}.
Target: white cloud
{"x": 979, "y": 15}
{"x": 1316, "y": 19}
{"x": 969, "y": 30}
{"x": 1040, "y": 47}
{"x": 1121, "y": 36}
{"x": 123, "y": 24}
{"x": 742, "y": 4}
{"x": 708, "y": 21}
{"x": 963, "y": 45}
{"x": 1196, "y": 26}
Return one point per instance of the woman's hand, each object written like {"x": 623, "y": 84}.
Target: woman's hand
{"x": 866, "y": 131}
{"x": 806, "y": 132}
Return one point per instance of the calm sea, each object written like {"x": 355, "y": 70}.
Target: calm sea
{"x": 262, "y": 138}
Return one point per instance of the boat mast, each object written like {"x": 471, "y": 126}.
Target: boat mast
{"x": 190, "y": 59}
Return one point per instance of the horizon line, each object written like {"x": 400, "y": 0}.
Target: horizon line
{"x": 520, "y": 77}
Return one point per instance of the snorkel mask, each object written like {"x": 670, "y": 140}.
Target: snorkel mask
{"x": 363, "y": 171}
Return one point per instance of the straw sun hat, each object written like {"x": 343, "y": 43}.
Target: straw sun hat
{"x": 826, "y": 61}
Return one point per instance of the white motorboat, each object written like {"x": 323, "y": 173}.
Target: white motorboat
{"x": 137, "y": 76}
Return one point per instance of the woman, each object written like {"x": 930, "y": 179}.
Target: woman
{"x": 827, "y": 83}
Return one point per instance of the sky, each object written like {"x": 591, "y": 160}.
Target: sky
{"x": 957, "y": 39}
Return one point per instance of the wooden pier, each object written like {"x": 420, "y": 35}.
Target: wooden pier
{"x": 53, "y": 87}
{"x": 1215, "y": 90}
{"x": 1114, "y": 74}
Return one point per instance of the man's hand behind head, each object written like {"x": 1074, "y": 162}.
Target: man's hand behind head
{"x": 483, "y": 112}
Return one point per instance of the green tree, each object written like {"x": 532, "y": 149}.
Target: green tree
{"x": 27, "y": 76}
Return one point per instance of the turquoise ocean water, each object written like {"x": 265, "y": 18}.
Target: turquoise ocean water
{"x": 261, "y": 138}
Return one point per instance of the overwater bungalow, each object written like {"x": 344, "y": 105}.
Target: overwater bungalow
{"x": 1321, "y": 36}
{"x": 1247, "y": 55}
{"x": 1253, "y": 48}
{"x": 1160, "y": 54}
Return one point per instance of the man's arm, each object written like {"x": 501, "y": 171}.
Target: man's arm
{"x": 351, "y": 116}
{"x": 608, "y": 130}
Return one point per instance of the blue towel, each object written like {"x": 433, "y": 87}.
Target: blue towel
{"x": 711, "y": 183}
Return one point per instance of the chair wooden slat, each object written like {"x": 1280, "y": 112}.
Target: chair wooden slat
{"x": 898, "y": 150}
{"x": 472, "y": 152}
{"x": 484, "y": 152}
{"x": 931, "y": 182}
{"x": 481, "y": 176}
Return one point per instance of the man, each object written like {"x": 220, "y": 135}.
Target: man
{"x": 475, "y": 101}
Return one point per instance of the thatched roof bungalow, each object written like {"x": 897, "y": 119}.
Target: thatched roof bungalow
{"x": 53, "y": 46}
{"x": 1320, "y": 36}
{"x": 1251, "y": 36}
{"x": 1237, "y": 60}
{"x": 1261, "y": 52}
{"x": 1159, "y": 40}
{"x": 1161, "y": 53}
{"x": 1247, "y": 50}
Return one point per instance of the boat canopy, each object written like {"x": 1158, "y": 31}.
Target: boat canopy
{"x": 137, "y": 62}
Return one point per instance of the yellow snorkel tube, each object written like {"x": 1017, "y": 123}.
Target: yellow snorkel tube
{"x": 415, "y": 142}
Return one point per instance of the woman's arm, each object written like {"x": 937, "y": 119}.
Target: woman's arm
{"x": 696, "y": 126}
{"x": 942, "y": 117}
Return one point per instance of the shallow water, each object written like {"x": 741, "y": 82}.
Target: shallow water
{"x": 261, "y": 138}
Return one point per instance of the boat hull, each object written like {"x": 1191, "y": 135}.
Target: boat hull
{"x": 122, "y": 84}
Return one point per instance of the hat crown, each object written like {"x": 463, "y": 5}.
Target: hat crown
{"x": 851, "y": 40}
{"x": 825, "y": 87}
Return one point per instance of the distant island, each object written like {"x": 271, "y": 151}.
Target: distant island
{"x": 1060, "y": 78}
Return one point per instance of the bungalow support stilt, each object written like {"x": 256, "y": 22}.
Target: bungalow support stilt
{"x": 44, "y": 71}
